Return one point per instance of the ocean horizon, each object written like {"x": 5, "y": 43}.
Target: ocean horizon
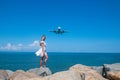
{"x": 58, "y": 61}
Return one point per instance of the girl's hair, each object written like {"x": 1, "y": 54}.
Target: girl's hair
{"x": 43, "y": 36}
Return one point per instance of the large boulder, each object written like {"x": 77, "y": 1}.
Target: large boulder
{"x": 112, "y": 71}
{"x": 99, "y": 69}
{"x": 114, "y": 75}
{"x": 112, "y": 67}
{"x": 3, "y": 75}
{"x": 63, "y": 75}
{"x": 21, "y": 75}
{"x": 10, "y": 73}
{"x": 41, "y": 71}
{"x": 86, "y": 72}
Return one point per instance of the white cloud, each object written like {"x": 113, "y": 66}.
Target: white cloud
{"x": 34, "y": 44}
{"x": 9, "y": 46}
{"x": 20, "y": 47}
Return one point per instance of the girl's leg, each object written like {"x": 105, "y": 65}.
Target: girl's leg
{"x": 41, "y": 61}
{"x": 46, "y": 58}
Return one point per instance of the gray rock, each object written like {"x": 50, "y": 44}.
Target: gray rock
{"x": 107, "y": 68}
{"x": 63, "y": 75}
{"x": 10, "y": 73}
{"x": 112, "y": 67}
{"x": 98, "y": 69}
{"x": 3, "y": 75}
{"x": 41, "y": 71}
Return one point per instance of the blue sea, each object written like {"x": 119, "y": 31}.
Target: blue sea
{"x": 58, "y": 61}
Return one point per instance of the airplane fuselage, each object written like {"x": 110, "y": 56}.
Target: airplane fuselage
{"x": 59, "y": 31}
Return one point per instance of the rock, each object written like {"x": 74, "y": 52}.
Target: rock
{"x": 63, "y": 75}
{"x": 87, "y": 73}
{"x": 110, "y": 68}
{"x": 106, "y": 68}
{"x": 41, "y": 71}
{"x": 77, "y": 72}
{"x": 3, "y": 75}
{"x": 10, "y": 73}
{"x": 21, "y": 75}
{"x": 99, "y": 69}
{"x": 114, "y": 75}
{"x": 36, "y": 79}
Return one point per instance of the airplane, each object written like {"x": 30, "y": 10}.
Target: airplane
{"x": 58, "y": 31}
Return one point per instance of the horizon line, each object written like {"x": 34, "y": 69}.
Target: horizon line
{"x": 57, "y": 52}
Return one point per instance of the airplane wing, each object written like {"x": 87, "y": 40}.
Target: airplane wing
{"x": 64, "y": 31}
{"x": 58, "y": 32}
{"x": 54, "y": 31}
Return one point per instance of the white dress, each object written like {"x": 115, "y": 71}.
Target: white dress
{"x": 40, "y": 52}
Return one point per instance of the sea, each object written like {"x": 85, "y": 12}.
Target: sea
{"x": 58, "y": 61}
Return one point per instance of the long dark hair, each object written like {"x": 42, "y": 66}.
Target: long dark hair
{"x": 44, "y": 37}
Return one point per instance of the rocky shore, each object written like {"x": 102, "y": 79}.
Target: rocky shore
{"x": 76, "y": 72}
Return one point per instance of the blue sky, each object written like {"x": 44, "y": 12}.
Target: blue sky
{"x": 93, "y": 25}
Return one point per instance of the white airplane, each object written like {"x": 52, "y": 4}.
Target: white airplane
{"x": 58, "y": 31}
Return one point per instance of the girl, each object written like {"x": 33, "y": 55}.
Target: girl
{"x": 42, "y": 51}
